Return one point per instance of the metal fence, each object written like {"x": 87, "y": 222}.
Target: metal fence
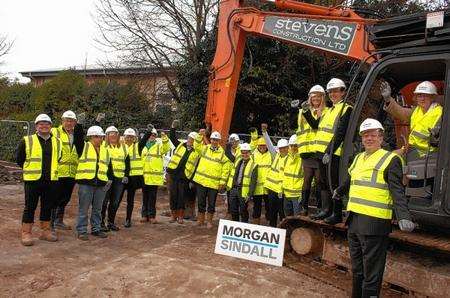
{"x": 11, "y": 132}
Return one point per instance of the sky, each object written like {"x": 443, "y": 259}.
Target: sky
{"x": 48, "y": 34}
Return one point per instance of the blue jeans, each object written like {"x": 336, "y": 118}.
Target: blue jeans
{"x": 291, "y": 206}
{"x": 89, "y": 195}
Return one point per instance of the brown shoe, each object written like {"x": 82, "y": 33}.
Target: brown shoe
{"x": 256, "y": 221}
{"x": 46, "y": 233}
{"x": 201, "y": 219}
{"x": 181, "y": 216}
{"x": 209, "y": 218}
{"x": 153, "y": 220}
{"x": 144, "y": 219}
{"x": 173, "y": 217}
{"x": 27, "y": 238}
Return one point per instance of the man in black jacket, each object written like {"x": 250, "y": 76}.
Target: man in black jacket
{"x": 375, "y": 191}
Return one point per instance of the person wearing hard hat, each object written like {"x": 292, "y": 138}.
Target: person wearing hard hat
{"x": 242, "y": 183}
{"x": 274, "y": 179}
{"x": 38, "y": 155}
{"x": 306, "y": 138}
{"x": 211, "y": 175}
{"x": 181, "y": 169}
{"x": 331, "y": 128}
{"x": 133, "y": 172}
{"x": 119, "y": 159}
{"x": 153, "y": 151}
{"x": 72, "y": 138}
{"x": 94, "y": 178}
{"x": 375, "y": 190}
{"x": 424, "y": 119}
{"x": 292, "y": 179}
{"x": 233, "y": 153}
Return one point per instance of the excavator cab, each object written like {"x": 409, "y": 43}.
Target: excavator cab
{"x": 427, "y": 179}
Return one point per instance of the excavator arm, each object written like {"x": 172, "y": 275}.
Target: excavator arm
{"x": 338, "y": 31}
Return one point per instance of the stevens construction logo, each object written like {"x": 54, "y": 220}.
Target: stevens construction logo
{"x": 250, "y": 242}
{"x": 332, "y": 36}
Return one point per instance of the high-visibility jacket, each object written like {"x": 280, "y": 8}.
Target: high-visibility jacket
{"x": 67, "y": 165}
{"x": 369, "y": 193}
{"x": 236, "y": 154}
{"x": 306, "y": 136}
{"x": 420, "y": 124}
{"x": 327, "y": 127}
{"x": 118, "y": 154}
{"x": 250, "y": 167}
{"x": 264, "y": 161}
{"x": 32, "y": 167}
{"x": 213, "y": 167}
{"x": 191, "y": 162}
{"x": 292, "y": 176}
{"x": 136, "y": 165}
{"x": 274, "y": 177}
{"x": 153, "y": 160}
{"x": 92, "y": 165}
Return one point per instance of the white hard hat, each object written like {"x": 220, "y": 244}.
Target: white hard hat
{"x": 293, "y": 140}
{"x": 69, "y": 115}
{"x": 192, "y": 135}
{"x": 282, "y": 143}
{"x": 95, "y": 131}
{"x": 233, "y": 138}
{"x": 129, "y": 132}
{"x": 111, "y": 129}
{"x": 154, "y": 131}
{"x": 216, "y": 135}
{"x": 42, "y": 118}
{"x": 335, "y": 83}
{"x": 316, "y": 88}
{"x": 369, "y": 124}
{"x": 426, "y": 87}
{"x": 245, "y": 147}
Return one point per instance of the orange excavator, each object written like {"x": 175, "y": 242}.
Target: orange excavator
{"x": 402, "y": 51}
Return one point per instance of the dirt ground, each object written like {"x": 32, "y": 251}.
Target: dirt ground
{"x": 146, "y": 260}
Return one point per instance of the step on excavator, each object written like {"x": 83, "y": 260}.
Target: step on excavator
{"x": 402, "y": 51}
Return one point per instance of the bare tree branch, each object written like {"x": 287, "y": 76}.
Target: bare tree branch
{"x": 5, "y": 46}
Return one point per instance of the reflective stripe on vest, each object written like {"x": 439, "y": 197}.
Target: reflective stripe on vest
{"x": 306, "y": 136}
{"x": 369, "y": 193}
{"x": 32, "y": 167}
{"x": 88, "y": 166}
{"x": 292, "y": 176}
{"x": 327, "y": 126}
{"x": 67, "y": 166}
{"x": 421, "y": 123}
{"x": 191, "y": 163}
{"x": 136, "y": 166}
{"x": 153, "y": 165}
{"x": 263, "y": 161}
{"x": 274, "y": 177}
{"x": 212, "y": 170}
{"x": 118, "y": 155}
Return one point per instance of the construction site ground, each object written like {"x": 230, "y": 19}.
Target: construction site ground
{"x": 165, "y": 259}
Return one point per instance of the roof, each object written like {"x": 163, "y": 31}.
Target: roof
{"x": 95, "y": 70}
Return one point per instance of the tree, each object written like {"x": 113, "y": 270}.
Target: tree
{"x": 5, "y": 46}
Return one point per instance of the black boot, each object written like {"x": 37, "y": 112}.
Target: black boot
{"x": 318, "y": 198}
{"x": 127, "y": 223}
{"x": 326, "y": 206}
{"x": 305, "y": 202}
{"x": 336, "y": 217}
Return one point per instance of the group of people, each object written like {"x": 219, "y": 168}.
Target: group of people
{"x": 280, "y": 177}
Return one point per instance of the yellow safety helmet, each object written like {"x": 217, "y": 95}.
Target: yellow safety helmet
{"x": 261, "y": 142}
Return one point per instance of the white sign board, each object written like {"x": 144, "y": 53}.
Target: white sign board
{"x": 250, "y": 242}
{"x": 435, "y": 19}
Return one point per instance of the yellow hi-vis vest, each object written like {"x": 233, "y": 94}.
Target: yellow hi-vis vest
{"x": 274, "y": 176}
{"x": 191, "y": 162}
{"x": 292, "y": 176}
{"x": 32, "y": 167}
{"x": 306, "y": 136}
{"x": 88, "y": 162}
{"x": 264, "y": 161}
{"x": 213, "y": 167}
{"x": 67, "y": 165}
{"x": 369, "y": 193}
{"x": 153, "y": 160}
{"x": 136, "y": 165}
{"x": 327, "y": 127}
{"x": 118, "y": 155}
{"x": 246, "y": 179}
{"x": 420, "y": 124}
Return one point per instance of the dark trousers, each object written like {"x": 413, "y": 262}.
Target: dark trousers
{"x": 276, "y": 209}
{"x": 238, "y": 206}
{"x": 206, "y": 199}
{"x": 179, "y": 188}
{"x": 35, "y": 190}
{"x": 257, "y": 205}
{"x": 324, "y": 185}
{"x": 112, "y": 200}
{"x": 149, "y": 193}
{"x": 368, "y": 255}
{"x": 65, "y": 187}
{"x": 134, "y": 183}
